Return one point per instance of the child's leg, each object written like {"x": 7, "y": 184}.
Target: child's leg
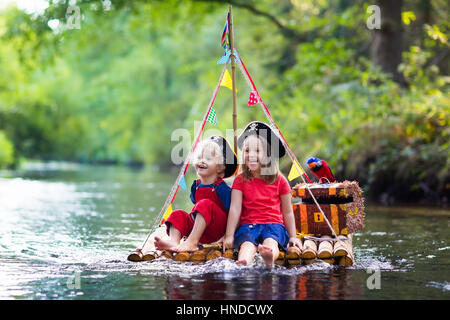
{"x": 171, "y": 243}
{"x": 178, "y": 224}
{"x": 269, "y": 251}
{"x": 246, "y": 253}
{"x": 191, "y": 243}
{"x": 149, "y": 246}
{"x": 209, "y": 225}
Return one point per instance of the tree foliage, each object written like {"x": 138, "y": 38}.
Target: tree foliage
{"x": 114, "y": 90}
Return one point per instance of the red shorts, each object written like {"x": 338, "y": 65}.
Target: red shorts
{"x": 215, "y": 218}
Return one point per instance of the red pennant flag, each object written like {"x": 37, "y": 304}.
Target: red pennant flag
{"x": 253, "y": 98}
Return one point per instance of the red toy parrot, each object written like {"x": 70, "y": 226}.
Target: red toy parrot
{"x": 321, "y": 169}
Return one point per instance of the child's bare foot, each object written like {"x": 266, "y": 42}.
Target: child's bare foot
{"x": 165, "y": 244}
{"x": 187, "y": 246}
{"x": 242, "y": 262}
{"x": 267, "y": 255}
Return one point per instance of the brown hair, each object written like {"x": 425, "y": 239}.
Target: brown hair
{"x": 269, "y": 167}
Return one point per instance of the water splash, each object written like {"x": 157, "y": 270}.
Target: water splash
{"x": 444, "y": 286}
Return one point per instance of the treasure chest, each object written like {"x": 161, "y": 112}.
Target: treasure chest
{"x": 342, "y": 203}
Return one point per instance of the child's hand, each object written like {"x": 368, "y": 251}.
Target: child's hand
{"x": 228, "y": 243}
{"x": 294, "y": 241}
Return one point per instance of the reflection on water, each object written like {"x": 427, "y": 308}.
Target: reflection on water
{"x": 257, "y": 283}
{"x": 65, "y": 231}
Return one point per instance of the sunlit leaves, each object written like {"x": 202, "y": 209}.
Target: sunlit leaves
{"x": 408, "y": 16}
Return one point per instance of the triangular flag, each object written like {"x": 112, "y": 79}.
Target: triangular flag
{"x": 224, "y": 39}
{"x": 226, "y": 80}
{"x": 212, "y": 117}
{"x": 224, "y": 58}
{"x": 253, "y": 98}
{"x": 167, "y": 213}
{"x": 238, "y": 60}
{"x": 295, "y": 171}
{"x": 182, "y": 183}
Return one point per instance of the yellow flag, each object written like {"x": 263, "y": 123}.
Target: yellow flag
{"x": 168, "y": 212}
{"x": 295, "y": 171}
{"x": 226, "y": 80}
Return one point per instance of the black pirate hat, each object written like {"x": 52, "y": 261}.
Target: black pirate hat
{"x": 229, "y": 157}
{"x": 259, "y": 128}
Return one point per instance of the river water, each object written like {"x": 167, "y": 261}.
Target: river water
{"x": 66, "y": 230}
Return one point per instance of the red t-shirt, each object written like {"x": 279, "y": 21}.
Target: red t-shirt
{"x": 261, "y": 202}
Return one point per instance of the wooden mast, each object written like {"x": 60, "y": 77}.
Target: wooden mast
{"x": 233, "y": 78}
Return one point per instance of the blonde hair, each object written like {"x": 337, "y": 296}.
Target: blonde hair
{"x": 217, "y": 153}
{"x": 269, "y": 166}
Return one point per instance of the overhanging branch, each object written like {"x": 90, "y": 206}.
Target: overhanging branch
{"x": 287, "y": 32}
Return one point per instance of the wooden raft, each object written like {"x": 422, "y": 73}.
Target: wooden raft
{"x": 332, "y": 252}
{"x": 342, "y": 204}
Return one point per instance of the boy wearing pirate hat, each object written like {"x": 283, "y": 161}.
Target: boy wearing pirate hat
{"x": 213, "y": 161}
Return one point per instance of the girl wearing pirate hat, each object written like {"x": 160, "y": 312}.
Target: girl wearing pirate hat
{"x": 213, "y": 161}
{"x": 260, "y": 209}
